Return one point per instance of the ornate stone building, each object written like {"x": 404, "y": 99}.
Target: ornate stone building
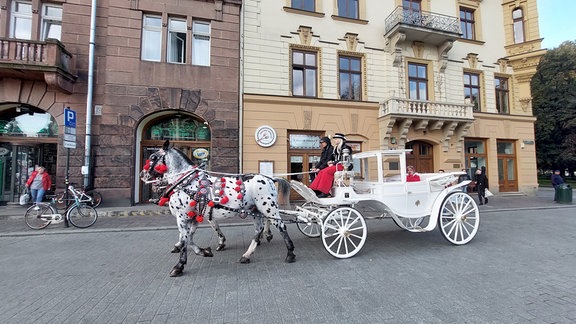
{"x": 449, "y": 79}
{"x": 162, "y": 70}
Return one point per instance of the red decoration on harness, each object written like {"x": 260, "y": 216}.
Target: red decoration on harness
{"x": 222, "y": 179}
{"x": 211, "y": 203}
{"x": 161, "y": 168}
{"x": 238, "y": 182}
{"x": 237, "y": 189}
{"x": 193, "y": 203}
{"x": 163, "y": 201}
{"x": 223, "y": 185}
{"x": 191, "y": 214}
{"x": 239, "y": 196}
{"x": 224, "y": 200}
{"x": 221, "y": 192}
{"x": 199, "y": 218}
{"x": 147, "y": 165}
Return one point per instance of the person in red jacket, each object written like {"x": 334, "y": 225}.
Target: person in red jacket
{"x": 412, "y": 176}
{"x": 38, "y": 183}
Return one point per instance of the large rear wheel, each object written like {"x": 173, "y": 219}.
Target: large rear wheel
{"x": 82, "y": 215}
{"x": 459, "y": 218}
{"x": 344, "y": 232}
{"x": 39, "y": 215}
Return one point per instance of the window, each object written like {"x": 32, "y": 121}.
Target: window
{"x": 518, "y": 18}
{"x": 502, "y": 99}
{"x": 21, "y": 20}
{"x": 413, "y": 6}
{"x": 418, "y": 81}
{"x": 467, "y": 23}
{"x": 51, "y": 22}
{"x": 201, "y": 43}
{"x": 151, "y": 38}
{"x": 304, "y": 5}
{"x": 304, "y": 71}
{"x": 350, "y": 78}
{"x": 176, "y": 40}
{"x": 348, "y": 9}
{"x": 472, "y": 89}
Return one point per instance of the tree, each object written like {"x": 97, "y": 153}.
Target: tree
{"x": 554, "y": 105}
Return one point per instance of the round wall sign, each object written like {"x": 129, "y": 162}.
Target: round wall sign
{"x": 265, "y": 136}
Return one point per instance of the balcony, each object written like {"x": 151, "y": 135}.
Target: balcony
{"x": 440, "y": 119}
{"x": 48, "y": 61}
{"x": 426, "y": 27}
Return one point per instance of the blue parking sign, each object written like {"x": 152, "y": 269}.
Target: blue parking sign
{"x": 69, "y": 118}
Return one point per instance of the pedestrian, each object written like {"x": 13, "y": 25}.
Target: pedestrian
{"x": 325, "y": 178}
{"x": 411, "y": 175}
{"x": 325, "y": 156}
{"x": 556, "y": 181}
{"x": 38, "y": 183}
{"x": 481, "y": 186}
{"x": 464, "y": 177}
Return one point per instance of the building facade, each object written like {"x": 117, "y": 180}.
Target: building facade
{"x": 448, "y": 79}
{"x": 162, "y": 70}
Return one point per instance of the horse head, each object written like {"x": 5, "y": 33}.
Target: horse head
{"x": 165, "y": 165}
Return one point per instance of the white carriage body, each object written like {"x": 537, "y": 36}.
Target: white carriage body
{"x": 379, "y": 181}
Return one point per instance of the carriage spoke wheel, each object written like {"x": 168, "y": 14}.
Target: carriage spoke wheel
{"x": 313, "y": 228}
{"x": 344, "y": 232}
{"x": 459, "y": 218}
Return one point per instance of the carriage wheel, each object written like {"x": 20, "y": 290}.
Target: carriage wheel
{"x": 312, "y": 229}
{"x": 344, "y": 232}
{"x": 459, "y": 218}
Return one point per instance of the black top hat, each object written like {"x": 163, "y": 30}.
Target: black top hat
{"x": 339, "y": 135}
{"x": 325, "y": 140}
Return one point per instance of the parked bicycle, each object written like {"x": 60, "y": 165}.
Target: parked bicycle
{"x": 79, "y": 213}
{"x": 90, "y": 197}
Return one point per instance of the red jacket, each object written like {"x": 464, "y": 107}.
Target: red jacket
{"x": 46, "y": 180}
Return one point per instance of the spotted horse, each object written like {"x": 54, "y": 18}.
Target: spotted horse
{"x": 194, "y": 194}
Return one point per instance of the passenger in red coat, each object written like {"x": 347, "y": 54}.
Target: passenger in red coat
{"x": 325, "y": 178}
{"x": 412, "y": 176}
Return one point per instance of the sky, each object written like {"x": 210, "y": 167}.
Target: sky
{"x": 556, "y": 19}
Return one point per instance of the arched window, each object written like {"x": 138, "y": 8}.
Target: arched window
{"x": 177, "y": 128}
{"x": 518, "y": 25}
{"x": 23, "y": 121}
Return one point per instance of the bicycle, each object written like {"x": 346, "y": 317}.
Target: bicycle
{"x": 92, "y": 198}
{"x": 80, "y": 214}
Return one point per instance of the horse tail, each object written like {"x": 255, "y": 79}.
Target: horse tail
{"x": 283, "y": 191}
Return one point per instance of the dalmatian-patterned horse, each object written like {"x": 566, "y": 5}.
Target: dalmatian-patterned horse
{"x": 195, "y": 194}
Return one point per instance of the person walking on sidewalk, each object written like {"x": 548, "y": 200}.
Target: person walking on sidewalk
{"x": 38, "y": 183}
{"x": 482, "y": 185}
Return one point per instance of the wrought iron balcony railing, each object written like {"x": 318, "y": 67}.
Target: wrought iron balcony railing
{"x": 423, "y": 19}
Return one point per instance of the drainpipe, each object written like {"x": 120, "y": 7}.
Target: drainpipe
{"x": 88, "y": 143}
{"x": 241, "y": 91}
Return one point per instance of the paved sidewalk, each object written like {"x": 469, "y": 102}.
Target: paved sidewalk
{"x": 153, "y": 217}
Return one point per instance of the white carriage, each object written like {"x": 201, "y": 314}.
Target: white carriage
{"x": 378, "y": 185}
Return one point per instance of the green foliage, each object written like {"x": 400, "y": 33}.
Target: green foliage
{"x": 554, "y": 105}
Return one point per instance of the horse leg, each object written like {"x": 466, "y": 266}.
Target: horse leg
{"x": 184, "y": 229}
{"x": 221, "y": 237}
{"x": 259, "y": 228}
{"x": 267, "y": 232}
{"x": 290, "y": 257}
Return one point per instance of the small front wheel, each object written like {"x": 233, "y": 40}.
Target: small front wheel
{"x": 313, "y": 227}
{"x": 82, "y": 215}
{"x": 344, "y": 232}
{"x": 459, "y": 218}
{"x": 39, "y": 215}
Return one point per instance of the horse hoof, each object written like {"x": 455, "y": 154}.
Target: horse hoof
{"x": 176, "y": 272}
{"x": 244, "y": 260}
{"x": 269, "y": 237}
{"x": 175, "y": 249}
{"x": 220, "y": 247}
{"x": 207, "y": 252}
{"x": 291, "y": 257}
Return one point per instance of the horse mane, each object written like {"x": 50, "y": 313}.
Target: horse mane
{"x": 182, "y": 155}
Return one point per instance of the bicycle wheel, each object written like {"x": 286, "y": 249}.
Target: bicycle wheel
{"x": 82, "y": 215}
{"x": 96, "y": 198}
{"x": 39, "y": 216}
